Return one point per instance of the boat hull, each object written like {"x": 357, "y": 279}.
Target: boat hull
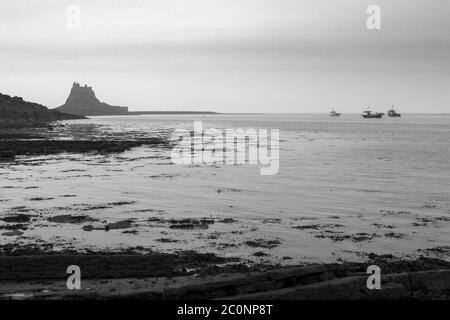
{"x": 372, "y": 116}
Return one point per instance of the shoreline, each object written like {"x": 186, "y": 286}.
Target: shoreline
{"x": 171, "y": 270}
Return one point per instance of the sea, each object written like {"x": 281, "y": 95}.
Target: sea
{"x": 346, "y": 187}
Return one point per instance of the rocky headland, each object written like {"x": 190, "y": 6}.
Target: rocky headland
{"x": 15, "y": 109}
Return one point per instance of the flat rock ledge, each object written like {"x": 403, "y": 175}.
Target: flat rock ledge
{"x": 134, "y": 277}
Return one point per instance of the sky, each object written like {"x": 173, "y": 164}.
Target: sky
{"x": 230, "y": 55}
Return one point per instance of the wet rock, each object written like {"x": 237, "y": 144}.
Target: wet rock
{"x": 40, "y": 199}
{"x": 17, "y": 218}
{"x": 44, "y": 147}
{"x": 17, "y": 226}
{"x": 130, "y": 232}
{"x": 125, "y": 224}
{"x": 271, "y": 220}
{"x": 228, "y": 220}
{"x": 67, "y": 218}
{"x": 392, "y": 212}
{"x": 394, "y": 235}
{"x": 262, "y": 243}
{"x": 7, "y": 155}
{"x": 150, "y": 210}
{"x": 335, "y": 237}
{"x": 387, "y": 226}
{"x": 190, "y": 223}
{"x": 12, "y": 233}
{"x": 167, "y": 240}
{"x": 121, "y": 203}
{"x": 440, "y": 251}
{"x": 358, "y": 237}
{"x": 89, "y": 207}
{"x": 88, "y": 228}
{"x": 309, "y": 227}
{"x": 260, "y": 254}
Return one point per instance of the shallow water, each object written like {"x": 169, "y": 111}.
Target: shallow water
{"x": 346, "y": 187}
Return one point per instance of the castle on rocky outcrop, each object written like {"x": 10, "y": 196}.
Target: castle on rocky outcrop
{"x": 82, "y": 101}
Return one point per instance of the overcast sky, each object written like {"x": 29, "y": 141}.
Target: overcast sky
{"x": 230, "y": 55}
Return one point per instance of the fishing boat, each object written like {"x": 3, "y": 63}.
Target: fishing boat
{"x": 334, "y": 113}
{"x": 369, "y": 115}
{"x": 393, "y": 114}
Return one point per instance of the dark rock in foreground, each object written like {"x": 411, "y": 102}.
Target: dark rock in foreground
{"x": 166, "y": 276}
{"x": 82, "y": 101}
{"x": 11, "y": 148}
{"x": 15, "y": 109}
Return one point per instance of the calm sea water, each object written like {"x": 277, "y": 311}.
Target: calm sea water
{"x": 346, "y": 187}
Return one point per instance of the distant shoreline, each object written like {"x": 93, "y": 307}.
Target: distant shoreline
{"x": 137, "y": 113}
{"x": 134, "y": 113}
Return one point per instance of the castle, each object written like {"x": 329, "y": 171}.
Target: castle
{"x": 82, "y": 101}
{"x": 76, "y": 85}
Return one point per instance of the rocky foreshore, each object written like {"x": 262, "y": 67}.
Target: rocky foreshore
{"x": 45, "y": 138}
{"x": 9, "y": 149}
{"x": 190, "y": 275}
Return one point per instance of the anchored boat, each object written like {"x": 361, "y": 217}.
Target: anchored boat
{"x": 393, "y": 114}
{"x": 369, "y": 115}
{"x": 334, "y": 113}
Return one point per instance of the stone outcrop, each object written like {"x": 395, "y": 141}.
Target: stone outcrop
{"x": 15, "y": 109}
{"x": 146, "y": 277}
{"x": 82, "y": 101}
